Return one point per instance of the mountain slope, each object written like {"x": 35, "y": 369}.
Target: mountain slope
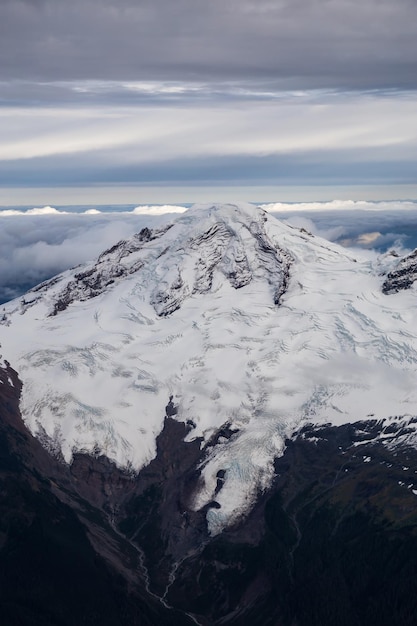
{"x": 333, "y": 540}
{"x": 61, "y": 560}
{"x": 233, "y": 323}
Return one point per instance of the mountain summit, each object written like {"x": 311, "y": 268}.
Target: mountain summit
{"x": 241, "y": 327}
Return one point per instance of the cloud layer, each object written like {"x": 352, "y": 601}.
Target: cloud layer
{"x": 376, "y": 226}
{"x": 191, "y": 92}
{"x": 308, "y": 43}
{"x": 311, "y": 138}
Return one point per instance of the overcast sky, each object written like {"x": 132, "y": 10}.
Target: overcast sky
{"x": 188, "y": 96}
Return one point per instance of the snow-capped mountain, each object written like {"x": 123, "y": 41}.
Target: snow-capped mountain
{"x": 239, "y": 326}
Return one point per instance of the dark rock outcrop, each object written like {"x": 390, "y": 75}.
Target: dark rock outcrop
{"x": 109, "y": 267}
{"x": 218, "y": 247}
{"x": 403, "y": 276}
{"x": 333, "y": 542}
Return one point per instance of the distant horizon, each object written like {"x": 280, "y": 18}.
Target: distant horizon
{"x": 134, "y": 195}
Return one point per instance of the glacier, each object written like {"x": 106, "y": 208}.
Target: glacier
{"x": 241, "y": 323}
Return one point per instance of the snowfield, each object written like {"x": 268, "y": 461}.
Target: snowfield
{"x": 242, "y": 319}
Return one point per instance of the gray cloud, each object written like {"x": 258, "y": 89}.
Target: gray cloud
{"x": 309, "y": 137}
{"x": 287, "y": 43}
{"x": 194, "y": 92}
{"x": 325, "y": 168}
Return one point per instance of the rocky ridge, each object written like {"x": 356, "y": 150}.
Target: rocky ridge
{"x": 403, "y": 276}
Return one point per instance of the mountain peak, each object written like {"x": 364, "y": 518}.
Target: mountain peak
{"x": 236, "y": 324}
{"x": 207, "y": 242}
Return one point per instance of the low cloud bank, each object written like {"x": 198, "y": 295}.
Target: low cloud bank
{"x": 358, "y": 224}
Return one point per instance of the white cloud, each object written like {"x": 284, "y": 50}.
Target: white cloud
{"x": 47, "y": 210}
{"x": 158, "y": 209}
{"x": 340, "y": 205}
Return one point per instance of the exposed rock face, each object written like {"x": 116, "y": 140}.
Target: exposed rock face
{"x": 321, "y": 547}
{"x": 403, "y": 276}
{"x": 189, "y": 270}
{"x": 333, "y": 541}
{"x": 113, "y": 264}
